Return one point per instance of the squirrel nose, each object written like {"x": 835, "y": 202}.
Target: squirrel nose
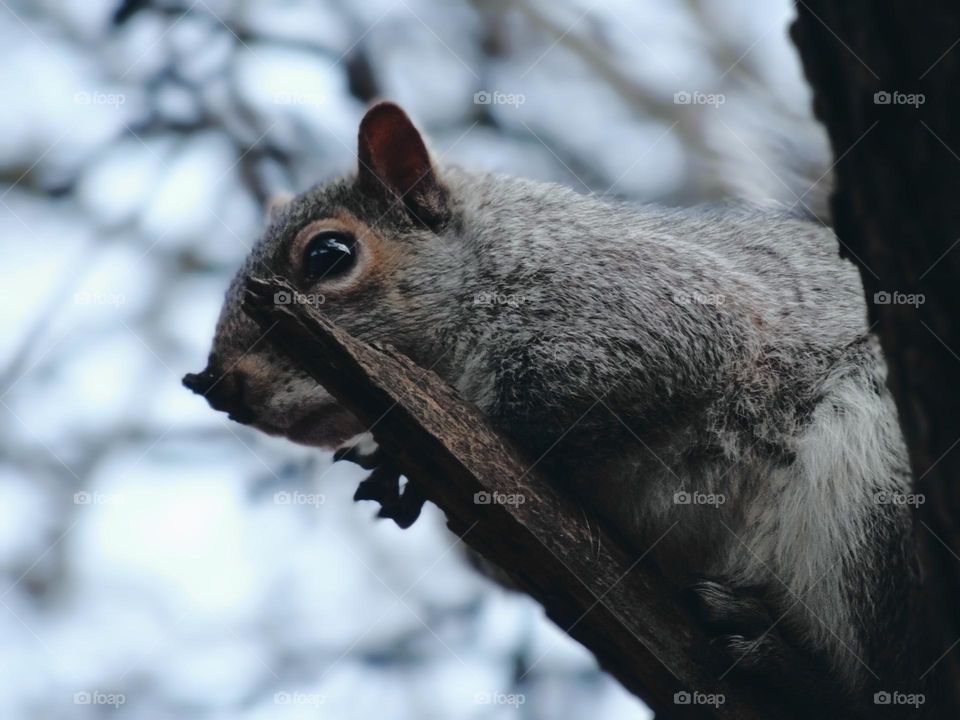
{"x": 198, "y": 382}
{"x": 224, "y": 392}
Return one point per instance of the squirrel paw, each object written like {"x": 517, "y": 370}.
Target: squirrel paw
{"x": 760, "y": 650}
{"x": 383, "y": 486}
{"x": 741, "y": 627}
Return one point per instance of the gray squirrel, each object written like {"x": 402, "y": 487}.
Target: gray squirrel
{"x": 703, "y": 379}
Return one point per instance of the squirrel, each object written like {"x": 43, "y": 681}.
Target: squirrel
{"x": 703, "y": 379}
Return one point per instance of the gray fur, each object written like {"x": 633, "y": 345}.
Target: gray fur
{"x": 638, "y": 352}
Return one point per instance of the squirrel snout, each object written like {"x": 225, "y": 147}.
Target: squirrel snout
{"x": 224, "y": 391}
{"x": 196, "y": 382}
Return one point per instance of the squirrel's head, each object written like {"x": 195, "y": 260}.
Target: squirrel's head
{"x": 367, "y": 249}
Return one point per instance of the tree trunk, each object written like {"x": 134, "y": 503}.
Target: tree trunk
{"x": 886, "y": 81}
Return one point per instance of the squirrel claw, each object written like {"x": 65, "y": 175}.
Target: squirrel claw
{"x": 367, "y": 490}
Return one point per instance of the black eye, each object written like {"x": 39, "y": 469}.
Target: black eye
{"x": 329, "y": 254}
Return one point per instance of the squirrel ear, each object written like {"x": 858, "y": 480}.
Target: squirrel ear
{"x": 394, "y": 159}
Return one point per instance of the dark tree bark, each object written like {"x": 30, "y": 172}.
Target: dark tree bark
{"x": 897, "y": 215}
{"x": 617, "y": 604}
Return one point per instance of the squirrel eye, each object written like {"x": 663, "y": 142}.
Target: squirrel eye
{"x": 329, "y": 254}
